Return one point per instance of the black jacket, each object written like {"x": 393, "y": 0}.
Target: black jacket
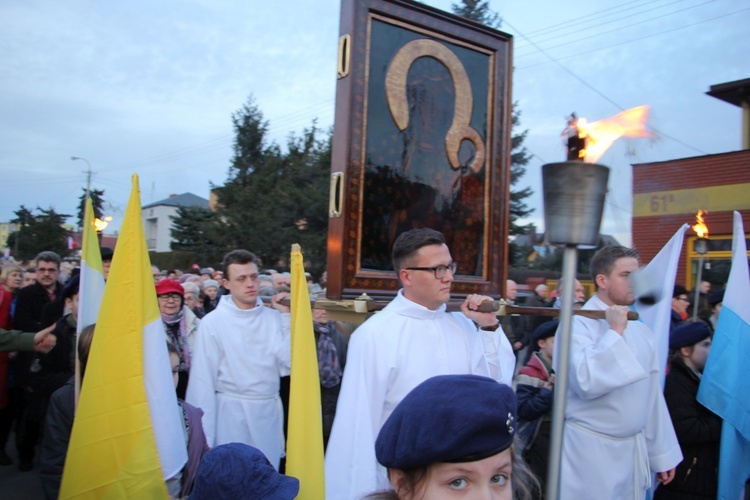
{"x": 532, "y": 322}
{"x": 58, "y": 365}
{"x": 54, "y": 449}
{"x": 30, "y": 304}
{"x": 699, "y": 433}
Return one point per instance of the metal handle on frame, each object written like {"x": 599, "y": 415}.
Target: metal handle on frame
{"x": 345, "y": 51}
{"x": 336, "y": 198}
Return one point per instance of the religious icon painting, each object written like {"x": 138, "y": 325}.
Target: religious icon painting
{"x": 421, "y": 139}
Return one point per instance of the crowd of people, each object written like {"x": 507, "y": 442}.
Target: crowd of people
{"x": 417, "y": 402}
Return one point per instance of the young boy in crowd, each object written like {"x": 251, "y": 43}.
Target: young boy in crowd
{"x": 534, "y": 388}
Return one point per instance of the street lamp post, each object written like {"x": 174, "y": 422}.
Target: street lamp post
{"x": 88, "y": 173}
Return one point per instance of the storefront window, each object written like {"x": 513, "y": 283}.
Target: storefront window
{"x": 716, "y": 262}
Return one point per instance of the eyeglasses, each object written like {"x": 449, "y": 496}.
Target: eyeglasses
{"x": 438, "y": 271}
{"x": 170, "y": 296}
{"x": 683, "y": 299}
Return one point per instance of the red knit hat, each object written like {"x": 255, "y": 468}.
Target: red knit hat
{"x": 169, "y": 286}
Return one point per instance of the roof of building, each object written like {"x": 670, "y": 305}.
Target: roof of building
{"x": 735, "y": 92}
{"x": 180, "y": 200}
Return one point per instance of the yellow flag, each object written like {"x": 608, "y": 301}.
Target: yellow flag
{"x": 92, "y": 276}
{"x": 113, "y": 447}
{"x": 304, "y": 451}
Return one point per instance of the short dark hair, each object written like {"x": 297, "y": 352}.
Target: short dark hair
{"x": 407, "y": 244}
{"x": 604, "y": 259}
{"x": 48, "y": 256}
{"x": 679, "y": 290}
{"x": 239, "y": 257}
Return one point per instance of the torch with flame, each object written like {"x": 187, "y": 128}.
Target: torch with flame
{"x": 700, "y": 227}
{"x": 101, "y": 224}
{"x": 588, "y": 141}
{"x": 701, "y": 248}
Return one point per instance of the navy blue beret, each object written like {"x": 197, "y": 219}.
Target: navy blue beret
{"x": 72, "y": 287}
{"x": 688, "y": 334}
{"x": 107, "y": 253}
{"x": 545, "y": 330}
{"x": 716, "y": 297}
{"x": 448, "y": 418}
{"x": 237, "y": 470}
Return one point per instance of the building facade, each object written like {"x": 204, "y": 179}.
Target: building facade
{"x": 5, "y": 229}
{"x": 668, "y": 194}
{"x": 157, "y": 224}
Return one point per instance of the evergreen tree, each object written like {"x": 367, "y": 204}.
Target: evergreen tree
{"x": 269, "y": 200}
{"x": 302, "y": 197}
{"x": 519, "y": 158}
{"x": 478, "y": 11}
{"x": 197, "y": 230}
{"x": 245, "y": 202}
{"x": 38, "y": 232}
{"x": 96, "y": 200}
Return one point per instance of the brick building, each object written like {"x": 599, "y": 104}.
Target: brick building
{"x": 669, "y": 193}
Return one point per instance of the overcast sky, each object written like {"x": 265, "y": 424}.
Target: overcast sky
{"x": 150, "y": 86}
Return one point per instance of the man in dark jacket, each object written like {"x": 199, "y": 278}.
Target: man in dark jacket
{"x": 30, "y": 305}
{"x": 32, "y": 299}
{"x": 537, "y": 299}
{"x": 58, "y": 365}
{"x": 514, "y": 325}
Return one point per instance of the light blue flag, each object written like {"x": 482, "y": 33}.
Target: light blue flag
{"x": 725, "y": 386}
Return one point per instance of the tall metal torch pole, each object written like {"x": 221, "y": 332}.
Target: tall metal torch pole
{"x": 562, "y": 348}
{"x": 574, "y": 195}
{"x": 701, "y": 248}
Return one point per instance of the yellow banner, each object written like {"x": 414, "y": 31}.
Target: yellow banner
{"x": 113, "y": 450}
{"x": 689, "y": 201}
{"x": 304, "y": 452}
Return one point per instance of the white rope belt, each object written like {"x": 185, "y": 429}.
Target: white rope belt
{"x": 248, "y": 396}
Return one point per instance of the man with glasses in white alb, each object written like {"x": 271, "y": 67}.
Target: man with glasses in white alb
{"x": 409, "y": 341}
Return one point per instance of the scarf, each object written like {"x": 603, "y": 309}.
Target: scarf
{"x": 329, "y": 367}
{"x": 177, "y": 334}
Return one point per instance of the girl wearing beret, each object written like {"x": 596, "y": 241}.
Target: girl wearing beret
{"x": 452, "y": 437}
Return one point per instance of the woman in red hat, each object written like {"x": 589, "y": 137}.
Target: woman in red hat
{"x": 180, "y": 324}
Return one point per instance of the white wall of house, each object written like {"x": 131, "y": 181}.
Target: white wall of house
{"x": 157, "y": 226}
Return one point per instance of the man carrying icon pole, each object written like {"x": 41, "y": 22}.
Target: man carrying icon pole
{"x": 409, "y": 341}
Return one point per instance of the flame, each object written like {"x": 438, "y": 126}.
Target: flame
{"x": 101, "y": 224}
{"x": 602, "y": 133}
{"x": 700, "y": 228}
